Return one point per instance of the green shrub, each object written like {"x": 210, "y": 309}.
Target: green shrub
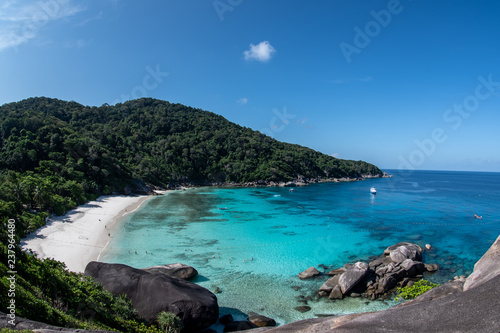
{"x": 46, "y": 291}
{"x": 417, "y": 289}
{"x": 123, "y": 307}
{"x": 169, "y": 322}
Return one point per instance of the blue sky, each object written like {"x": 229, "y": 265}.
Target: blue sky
{"x": 401, "y": 84}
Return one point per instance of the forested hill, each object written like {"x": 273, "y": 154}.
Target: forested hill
{"x": 76, "y": 152}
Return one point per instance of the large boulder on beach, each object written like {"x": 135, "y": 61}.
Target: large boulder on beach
{"x": 180, "y": 271}
{"x": 352, "y": 276}
{"x": 401, "y": 251}
{"x": 153, "y": 293}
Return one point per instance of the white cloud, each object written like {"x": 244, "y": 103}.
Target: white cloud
{"x": 21, "y": 21}
{"x": 261, "y": 52}
{"x": 242, "y": 100}
{"x": 336, "y": 155}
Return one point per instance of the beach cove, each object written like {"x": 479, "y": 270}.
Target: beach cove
{"x": 251, "y": 243}
{"x": 82, "y": 234}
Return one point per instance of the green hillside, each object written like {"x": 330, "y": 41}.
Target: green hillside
{"x": 56, "y": 154}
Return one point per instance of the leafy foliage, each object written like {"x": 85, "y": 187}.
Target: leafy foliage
{"x": 45, "y": 291}
{"x": 169, "y": 322}
{"x": 55, "y": 155}
{"x": 417, "y": 289}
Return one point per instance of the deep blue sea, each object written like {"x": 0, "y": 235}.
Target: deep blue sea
{"x": 252, "y": 242}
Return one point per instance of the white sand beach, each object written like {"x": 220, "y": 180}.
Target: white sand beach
{"x": 82, "y": 234}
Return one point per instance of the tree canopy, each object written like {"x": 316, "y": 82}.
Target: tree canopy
{"x": 56, "y": 154}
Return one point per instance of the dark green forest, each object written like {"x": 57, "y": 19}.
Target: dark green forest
{"x": 56, "y": 154}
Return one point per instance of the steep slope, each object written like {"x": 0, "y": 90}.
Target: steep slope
{"x": 156, "y": 141}
{"x": 55, "y": 154}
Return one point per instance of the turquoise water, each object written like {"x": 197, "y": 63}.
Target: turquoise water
{"x": 252, "y": 242}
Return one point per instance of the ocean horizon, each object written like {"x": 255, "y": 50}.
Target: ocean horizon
{"x": 251, "y": 243}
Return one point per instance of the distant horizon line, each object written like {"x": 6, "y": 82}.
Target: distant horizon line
{"x": 435, "y": 170}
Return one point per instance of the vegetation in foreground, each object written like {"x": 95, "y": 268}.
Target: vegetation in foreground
{"x": 47, "y": 292}
{"x": 417, "y": 289}
{"x": 56, "y": 155}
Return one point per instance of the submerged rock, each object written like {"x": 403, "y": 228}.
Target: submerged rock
{"x": 236, "y": 326}
{"x": 261, "y": 321}
{"x": 337, "y": 271}
{"x": 431, "y": 267}
{"x": 303, "y": 308}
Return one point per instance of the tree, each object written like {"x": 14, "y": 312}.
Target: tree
{"x": 169, "y": 322}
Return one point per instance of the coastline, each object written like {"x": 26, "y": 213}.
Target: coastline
{"x": 298, "y": 182}
{"x": 82, "y": 234}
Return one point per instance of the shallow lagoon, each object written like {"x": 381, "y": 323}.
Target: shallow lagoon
{"x": 252, "y": 242}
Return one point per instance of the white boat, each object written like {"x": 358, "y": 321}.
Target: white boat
{"x": 373, "y": 190}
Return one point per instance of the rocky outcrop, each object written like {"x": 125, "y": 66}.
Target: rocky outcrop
{"x": 401, "y": 251}
{"x": 254, "y": 320}
{"x": 22, "y": 324}
{"x": 180, "y": 271}
{"x": 486, "y": 268}
{"x": 352, "y": 276}
{"x": 308, "y": 273}
{"x": 330, "y": 284}
{"x": 336, "y": 293}
{"x": 395, "y": 267}
{"x": 236, "y": 326}
{"x": 152, "y": 293}
{"x": 450, "y": 307}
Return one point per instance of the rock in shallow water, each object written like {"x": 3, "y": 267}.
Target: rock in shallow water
{"x": 352, "y": 276}
{"x": 261, "y": 321}
{"x": 330, "y": 284}
{"x": 336, "y": 293}
{"x": 308, "y": 273}
{"x": 236, "y": 326}
{"x": 303, "y": 308}
{"x": 401, "y": 251}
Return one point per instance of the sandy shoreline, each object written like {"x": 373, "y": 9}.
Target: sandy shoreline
{"x": 82, "y": 234}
